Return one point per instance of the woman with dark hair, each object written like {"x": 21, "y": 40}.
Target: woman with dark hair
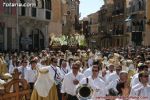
{"x": 120, "y": 86}
{"x": 123, "y": 89}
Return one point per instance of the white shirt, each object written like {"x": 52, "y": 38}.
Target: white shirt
{"x": 11, "y": 68}
{"x": 140, "y": 91}
{"x": 135, "y": 80}
{"x": 90, "y": 62}
{"x": 64, "y": 71}
{"x": 67, "y": 84}
{"x": 99, "y": 87}
{"x": 103, "y": 78}
{"x": 88, "y": 72}
{"x": 108, "y": 73}
{"x": 69, "y": 67}
{"x": 113, "y": 84}
{"x": 22, "y": 70}
{"x": 58, "y": 78}
{"x": 112, "y": 77}
{"x": 31, "y": 75}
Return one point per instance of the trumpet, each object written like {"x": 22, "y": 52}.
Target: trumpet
{"x": 84, "y": 92}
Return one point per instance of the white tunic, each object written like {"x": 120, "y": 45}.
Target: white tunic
{"x": 43, "y": 83}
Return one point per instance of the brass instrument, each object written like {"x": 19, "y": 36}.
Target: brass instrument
{"x": 84, "y": 92}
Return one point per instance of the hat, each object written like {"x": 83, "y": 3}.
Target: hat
{"x": 142, "y": 66}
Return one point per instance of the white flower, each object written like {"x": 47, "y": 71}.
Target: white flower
{"x": 2, "y": 82}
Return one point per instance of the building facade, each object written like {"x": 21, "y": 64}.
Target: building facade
{"x": 70, "y": 17}
{"x": 23, "y": 27}
{"x": 93, "y": 30}
{"x": 104, "y": 25}
{"x": 33, "y": 25}
{"x": 28, "y": 28}
{"x": 7, "y": 27}
{"x": 147, "y": 34}
{"x": 136, "y": 22}
{"x": 115, "y": 15}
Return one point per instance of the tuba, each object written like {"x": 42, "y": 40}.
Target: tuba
{"x": 84, "y": 91}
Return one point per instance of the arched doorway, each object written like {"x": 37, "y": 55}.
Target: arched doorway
{"x": 37, "y": 40}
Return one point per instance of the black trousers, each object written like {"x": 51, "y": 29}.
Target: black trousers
{"x": 58, "y": 92}
{"x": 31, "y": 86}
{"x": 70, "y": 97}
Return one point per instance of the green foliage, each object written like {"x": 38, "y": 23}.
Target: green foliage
{"x": 70, "y": 40}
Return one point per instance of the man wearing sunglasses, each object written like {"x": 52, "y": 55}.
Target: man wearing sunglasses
{"x": 141, "y": 67}
{"x": 96, "y": 83}
{"x": 141, "y": 91}
{"x": 24, "y": 66}
{"x": 70, "y": 82}
{"x": 113, "y": 76}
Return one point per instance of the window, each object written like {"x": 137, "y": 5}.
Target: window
{"x": 9, "y": 38}
{"x": 23, "y": 10}
{"x": 8, "y": 10}
{"x": 2, "y": 26}
{"x": 48, "y": 15}
{"x": 48, "y": 4}
{"x": 34, "y": 12}
{"x": 40, "y": 3}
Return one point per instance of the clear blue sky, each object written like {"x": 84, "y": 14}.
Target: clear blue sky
{"x": 89, "y": 6}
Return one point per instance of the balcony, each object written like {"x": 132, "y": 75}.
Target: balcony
{"x": 136, "y": 9}
{"x": 138, "y": 26}
{"x": 117, "y": 32}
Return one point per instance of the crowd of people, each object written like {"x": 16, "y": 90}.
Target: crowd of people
{"x": 111, "y": 73}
